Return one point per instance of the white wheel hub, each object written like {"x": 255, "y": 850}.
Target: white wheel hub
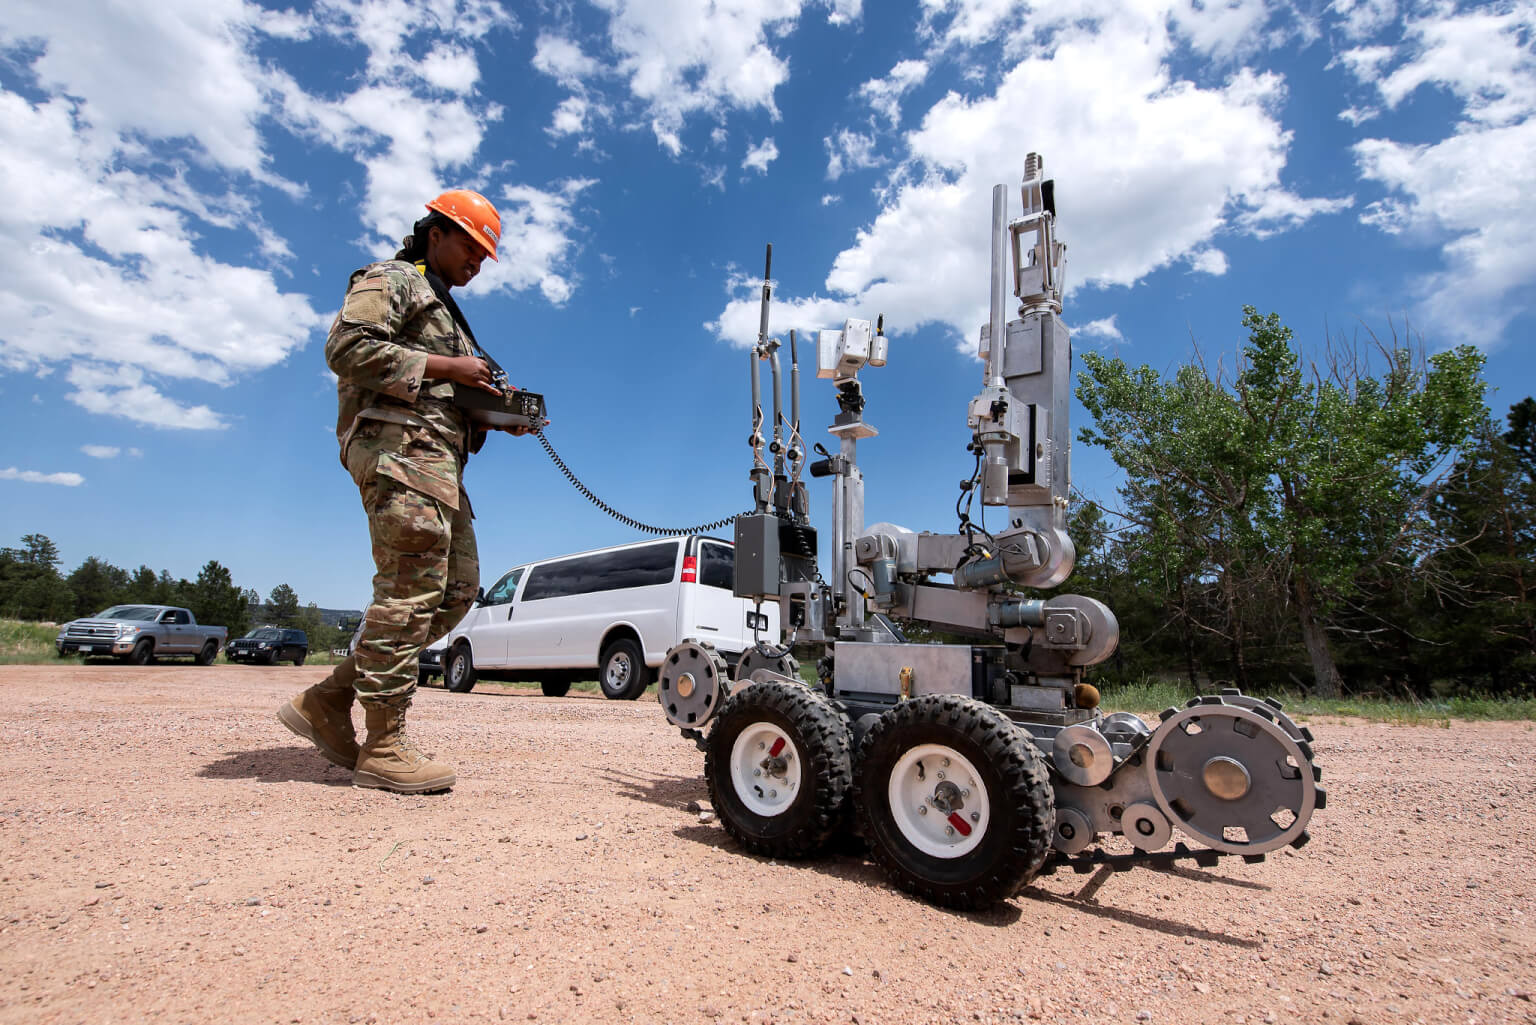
{"x": 938, "y": 801}
{"x": 765, "y": 769}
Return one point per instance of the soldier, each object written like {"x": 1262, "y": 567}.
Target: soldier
{"x": 397, "y": 347}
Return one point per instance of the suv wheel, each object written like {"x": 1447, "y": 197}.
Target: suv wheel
{"x": 459, "y": 670}
{"x": 298, "y": 659}
{"x": 621, "y": 672}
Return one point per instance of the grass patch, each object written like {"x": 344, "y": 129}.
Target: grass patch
{"x": 1153, "y": 694}
{"x": 27, "y": 643}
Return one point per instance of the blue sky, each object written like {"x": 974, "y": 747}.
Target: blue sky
{"x": 188, "y": 184}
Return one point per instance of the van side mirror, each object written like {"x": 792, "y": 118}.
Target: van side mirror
{"x": 479, "y": 596}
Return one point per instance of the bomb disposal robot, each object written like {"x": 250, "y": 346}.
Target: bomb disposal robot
{"x": 970, "y": 768}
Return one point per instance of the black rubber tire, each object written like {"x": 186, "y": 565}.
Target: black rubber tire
{"x": 423, "y": 677}
{"x": 1019, "y": 793}
{"x": 208, "y": 654}
{"x": 555, "y": 686}
{"x": 822, "y": 745}
{"x": 622, "y": 674}
{"x": 142, "y": 654}
{"x": 459, "y": 670}
{"x": 298, "y": 659}
{"x": 272, "y": 658}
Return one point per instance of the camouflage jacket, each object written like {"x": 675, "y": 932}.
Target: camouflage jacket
{"x": 390, "y": 419}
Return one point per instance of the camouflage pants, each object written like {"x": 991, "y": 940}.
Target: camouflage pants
{"x": 428, "y": 573}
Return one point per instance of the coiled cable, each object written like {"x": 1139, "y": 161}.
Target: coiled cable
{"x": 644, "y": 528}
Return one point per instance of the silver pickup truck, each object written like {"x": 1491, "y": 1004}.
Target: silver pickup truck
{"x": 139, "y": 633}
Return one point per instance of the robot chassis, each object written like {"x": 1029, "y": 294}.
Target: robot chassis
{"x": 970, "y": 768}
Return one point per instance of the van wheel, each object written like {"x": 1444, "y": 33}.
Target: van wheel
{"x": 459, "y": 673}
{"x": 622, "y": 673}
{"x": 555, "y": 686}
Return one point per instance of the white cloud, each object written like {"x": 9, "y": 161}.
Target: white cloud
{"x": 884, "y": 94}
{"x": 844, "y": 11}
{"x": 68, "y": 480}
{"x": 563, "y": 60}
{"x": 830, "y": 198}
{"x": 451, "y": 68}
{"x": 536, "y": 240}
{"x": 1104, "y": 327}
{"x": 849, "y": 151}
{"x": 123, "y": 391}
{"x": 760, "y": 156}
{"x": 681, "y": 57}
{"x": 1472, "y": 193}
{"x": 1208, "y": 260}
{"x": 115, "y": 174}
{"x": 1102, "y": 106}
{"x": 101, "y": 451}
{"x": 1358, "y": 19}
{"x": 570, "y": 117}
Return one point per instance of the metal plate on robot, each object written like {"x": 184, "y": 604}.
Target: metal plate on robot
{"x": 876, "y": 668}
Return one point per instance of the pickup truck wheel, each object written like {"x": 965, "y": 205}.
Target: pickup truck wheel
{"x": 459, "y": 671}
{"x": 206, "y": 656}
{"x": 555, "y": 686}
{"x": 142, "y": 652}
{"x": 621, "y": 672}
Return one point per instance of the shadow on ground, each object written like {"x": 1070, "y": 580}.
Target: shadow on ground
{"x": 277, "y": 765}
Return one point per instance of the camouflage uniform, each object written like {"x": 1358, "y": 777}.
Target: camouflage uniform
{"x": 405, "y": 444}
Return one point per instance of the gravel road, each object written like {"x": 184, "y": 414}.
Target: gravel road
{"x": 172, "y": 854}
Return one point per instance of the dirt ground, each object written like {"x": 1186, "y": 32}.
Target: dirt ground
{"x": 169, "y": 853}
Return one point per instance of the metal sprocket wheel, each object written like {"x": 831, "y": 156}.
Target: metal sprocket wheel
{"x": 1217, "y": 768}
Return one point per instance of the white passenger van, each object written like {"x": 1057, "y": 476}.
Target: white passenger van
{"x": 613, "y": 613}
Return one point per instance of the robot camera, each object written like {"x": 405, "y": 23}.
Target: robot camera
{"x": 842, "y": 354}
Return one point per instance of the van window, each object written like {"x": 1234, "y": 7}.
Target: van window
{"x": 505, "y": 588}
{"x": 717, "y": 566}
{"x": 605, "y": 571}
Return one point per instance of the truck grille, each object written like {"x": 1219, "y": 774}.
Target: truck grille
{"x": 91, "y": 633}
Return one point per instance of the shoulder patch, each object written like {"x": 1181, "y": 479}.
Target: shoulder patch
{"x": 367, "y": 302}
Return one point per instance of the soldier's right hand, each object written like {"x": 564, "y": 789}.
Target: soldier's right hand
{"x": 468, "y": 370}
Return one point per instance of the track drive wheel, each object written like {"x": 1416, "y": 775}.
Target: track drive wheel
{"x": 955, "y": 801}
{"x": 779, "y": 767}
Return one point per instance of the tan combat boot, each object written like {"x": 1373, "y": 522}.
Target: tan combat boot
{"x": 322, "y": 715}
{"x": 389, "y": 761}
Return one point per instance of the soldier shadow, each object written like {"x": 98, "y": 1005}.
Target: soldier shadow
{"x": 277, "y": 765}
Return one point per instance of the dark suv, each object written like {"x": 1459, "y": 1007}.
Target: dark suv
{"x": 270, "y": 645}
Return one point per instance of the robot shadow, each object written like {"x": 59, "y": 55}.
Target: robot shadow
{"x": 277, "y": 765}
{"x": 1140, "y": 920}
{"x": 672, "y": 792}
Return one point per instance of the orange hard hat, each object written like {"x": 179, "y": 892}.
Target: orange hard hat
{"x": 472, "y": 212}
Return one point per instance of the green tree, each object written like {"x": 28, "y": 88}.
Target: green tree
{"x": 98, "y": 584}
{"x": 1488, "y": 511}
{"x": 30, "y": 585}
{"x": 215, "y": 599}
{"x": 1310, "y": 484}
{"x": 283, "y": 606}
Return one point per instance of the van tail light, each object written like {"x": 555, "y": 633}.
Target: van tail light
{"x": 690, "y": 569}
